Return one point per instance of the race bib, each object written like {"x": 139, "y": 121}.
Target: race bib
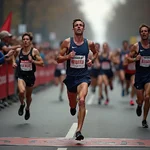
{"x": 145, "y": 61}
{"x": 26, "y": 65}
{"x": 131, "y": 66}
{"x": 60, "y": 66}
{"x": 77, "y": 62}
{"x": 105, "y": 65}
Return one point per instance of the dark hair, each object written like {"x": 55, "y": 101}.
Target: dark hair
{"x": 75, "y": 20}
{"x": 125, "y": 41}
{"x": 144, "y": 25}
{"x": 28, "y": 34}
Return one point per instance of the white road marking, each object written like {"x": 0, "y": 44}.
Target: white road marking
{"x": 71, "y": 132}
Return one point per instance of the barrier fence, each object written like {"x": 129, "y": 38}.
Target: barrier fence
{"x": 7, "y": 78}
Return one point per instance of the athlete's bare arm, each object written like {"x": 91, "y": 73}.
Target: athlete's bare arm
{"x": 114, "y": 58}
{"x": 93, "y": 49}
{"x": 133, "y": 55}
{"x": 15, "y": 56}
{"x": 63, "y": 56}
{"x": 38, "y": 59}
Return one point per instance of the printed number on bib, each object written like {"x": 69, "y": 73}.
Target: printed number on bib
{"x": 145, "y": 61}
{"x": 105, "y": 65}
{"x": 77, "y": 62}
{"x": 26, "y": 66}
{"x": 131, "y": 66}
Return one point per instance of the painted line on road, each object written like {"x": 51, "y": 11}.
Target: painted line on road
{"x": 71, "y": 132}
{"x": 90, "y": 100}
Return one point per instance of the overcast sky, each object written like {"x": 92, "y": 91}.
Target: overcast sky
{"x": 99, "y": 13}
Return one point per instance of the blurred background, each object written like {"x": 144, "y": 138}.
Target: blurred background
{"x": 51, "y": 20}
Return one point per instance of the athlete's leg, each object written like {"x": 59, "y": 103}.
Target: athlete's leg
{"x": 21, "y": 88}
{"x": 147, "y": 101}
{"x": 82, "y": 92}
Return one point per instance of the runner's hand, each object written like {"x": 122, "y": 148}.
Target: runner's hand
{"x": 89, "y": 63}
{"x": 72, "y": 54}
{"x": 14, "y": 65}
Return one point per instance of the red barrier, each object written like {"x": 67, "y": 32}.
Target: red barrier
{"x": 44, "y": 75}
{"x": 7, "y": 80}
{"x": 3, "y": 82}
{"x": 11, "y": 80}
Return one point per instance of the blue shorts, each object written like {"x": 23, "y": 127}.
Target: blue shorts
{"x": 72, "y": 82}
{"x": 59, "y": 72}
{"x": 94, "y": 72}
{"x": 108, "y": 73}
{"x": 141, "y": 79}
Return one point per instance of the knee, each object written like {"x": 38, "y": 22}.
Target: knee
{"x": 81, "y": 103}
{"x": 147, "y": 98}
{"x": 22, "y": 92}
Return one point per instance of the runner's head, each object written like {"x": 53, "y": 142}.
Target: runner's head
{"x": 27, "y": 39}
{"x": 144, "y": 31}
{"x": 78, "y": 26}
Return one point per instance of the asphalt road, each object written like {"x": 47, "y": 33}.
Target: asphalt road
{"x": 51, "y": 127}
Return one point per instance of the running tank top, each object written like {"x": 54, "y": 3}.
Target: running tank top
{"x": 122, "y": 54}
{"x": 143, "y": 65}
{"x": 105, "y": 62}
{"x": 130, "y": 68}
{"x": 25, "y": 67}
{"x": 77, "y": 66}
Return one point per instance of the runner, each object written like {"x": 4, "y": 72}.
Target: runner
{"x": 75, "y": 51}
{"x": 130, "y": 76}
{"x": 29, "y": 57}
{"x": 141, "y": 54}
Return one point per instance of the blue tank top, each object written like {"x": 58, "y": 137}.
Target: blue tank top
{"x": 105, "y": 62}
{"x": 77, "y": 66}
{"x": 143, "y": 65}
{"x": 122, "y": 55}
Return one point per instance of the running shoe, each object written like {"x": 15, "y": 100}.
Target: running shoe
{"x": 93, "y": 89}
{"x": 144, "y": 124}
{"x": 139, "y": 110}
{"x": 73, "y": 111}
{"x": 79, "y": 136}
{"x": 27, "y": 115}
{"x": 107, "y": 101}
{"x": 60, "y": 98}
{"x": 131, "y": 102}
{"x": 21, "y": 110}
{"x": 122, "y": 92}
{"x": 99, "y": 100}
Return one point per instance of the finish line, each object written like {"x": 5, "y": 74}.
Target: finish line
{"x": 69, "y": 142}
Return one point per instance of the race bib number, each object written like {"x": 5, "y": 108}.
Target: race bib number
{"x": 77, "y": 62}
{"x": 63, "y": 71}
{"x": 145, "y": 61}
{"x": 105, "y": 65}
{"x": 26, "y": 65}
{"x": 131, "y": 66}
